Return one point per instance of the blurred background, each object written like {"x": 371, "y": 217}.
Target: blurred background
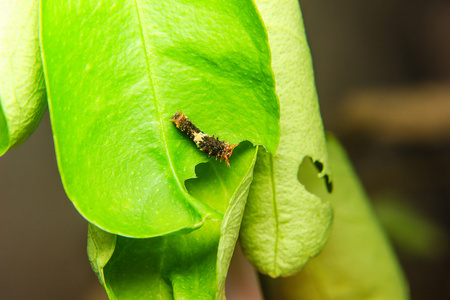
{"x": 383, "y": 77}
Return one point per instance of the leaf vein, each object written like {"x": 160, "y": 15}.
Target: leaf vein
{"x": 150, "y": 75}
{"x": 275, "y": 209}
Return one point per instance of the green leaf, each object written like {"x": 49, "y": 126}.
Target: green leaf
{"x": 100, "y": 248}
{"x": 357, "y": 262}
{"x": 118, "y": 71}
{"x": 190, "y": 266}
{"x": 284, "y": 224}
{"x": 22, "y": 87}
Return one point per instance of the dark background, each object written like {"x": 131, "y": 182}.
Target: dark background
{"x": 383, "y": 78}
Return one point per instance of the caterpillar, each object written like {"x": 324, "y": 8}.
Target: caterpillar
{"x": 211, "y": 145}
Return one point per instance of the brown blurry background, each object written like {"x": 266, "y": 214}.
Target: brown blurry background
{"x": 383, "y": 77}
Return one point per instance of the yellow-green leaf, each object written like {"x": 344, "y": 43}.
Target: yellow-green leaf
{"x": 357, "y": 262}
{"x": 22, "y": 88}
{"x": 284, "y": 224}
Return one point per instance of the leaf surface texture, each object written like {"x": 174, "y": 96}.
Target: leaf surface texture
{"x": 117, "y": 72}
{"x": 357, "y": 262}
{"x": 284, "y": 224}
{"x": 22, "y": 87}
{"x": 188, "y": 266}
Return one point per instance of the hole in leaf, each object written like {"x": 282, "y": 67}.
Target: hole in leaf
{"x": 308, "y": 175}
{"x": 216, "y": 182}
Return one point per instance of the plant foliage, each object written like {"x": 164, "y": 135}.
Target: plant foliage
{"x": 116, "y": 73}
{"x": 22, "y": 88}
{"x": 357, "y": 262}
{"x": 284, "y": 224}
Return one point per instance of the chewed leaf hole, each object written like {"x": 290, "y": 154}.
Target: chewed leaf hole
{"x": 214, "y": 184}
{"x": 308, "y": 175}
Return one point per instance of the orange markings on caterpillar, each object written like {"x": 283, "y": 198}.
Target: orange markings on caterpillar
{"x": 209, "y": 144}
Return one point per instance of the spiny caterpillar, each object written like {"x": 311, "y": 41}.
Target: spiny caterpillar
{"x": 210, "y": 145}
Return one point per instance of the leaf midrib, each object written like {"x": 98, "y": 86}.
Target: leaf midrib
{"x": 275, "y": 209}
{"x": 150, "y": 77}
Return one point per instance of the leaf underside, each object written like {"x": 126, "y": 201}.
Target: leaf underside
{"x": 117, "y": 72}
{"x": 22, "y": 88}
{"x": 357, "y": 262}
{"x": 284, "y": 224}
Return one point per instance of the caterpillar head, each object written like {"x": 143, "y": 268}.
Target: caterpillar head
{"x": 227, "y": 152}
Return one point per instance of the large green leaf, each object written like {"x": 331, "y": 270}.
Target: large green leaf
{"x": 284, "y": 224}
{"x": 22, "y": 88}
{"x": 190, "y": 266}
{"x": 116, "y": 73}
{"x": 357, "y": 262}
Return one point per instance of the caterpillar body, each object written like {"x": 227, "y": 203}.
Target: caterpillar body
{"x": 211, "y": 145}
